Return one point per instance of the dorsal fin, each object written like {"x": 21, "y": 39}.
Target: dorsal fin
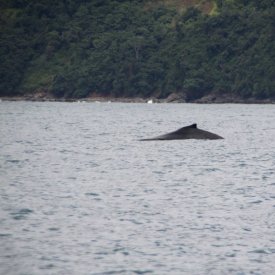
{"x": 192, "y": 126}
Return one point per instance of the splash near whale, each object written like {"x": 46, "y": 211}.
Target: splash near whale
{"x": 187, "y": 132}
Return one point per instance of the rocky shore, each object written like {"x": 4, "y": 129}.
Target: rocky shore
{"x": 172, "y": 98}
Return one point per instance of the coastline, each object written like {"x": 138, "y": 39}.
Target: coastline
{"x": 173, "y": 98}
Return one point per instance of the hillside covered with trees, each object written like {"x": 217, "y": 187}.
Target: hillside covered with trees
{"x": 117, "y": 48}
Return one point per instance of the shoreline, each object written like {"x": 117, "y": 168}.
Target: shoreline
{"x": 210, "y": 99}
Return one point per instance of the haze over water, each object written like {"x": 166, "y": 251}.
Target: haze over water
{"x": 79, "y": 193}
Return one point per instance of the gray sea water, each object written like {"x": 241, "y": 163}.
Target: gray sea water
{"x": 79, "y": 194}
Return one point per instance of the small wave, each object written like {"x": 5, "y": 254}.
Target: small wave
{"x": 263, "y": 251}
{"x": 53, "y": 229}
{"x": 3, "y": 235}
{"x": 142, "y": 271}
{"x": 46, "y": 267}
{"x": 92, "y": 194}
{"x": 21, "y": 214}
{"x": 13, "y": 160}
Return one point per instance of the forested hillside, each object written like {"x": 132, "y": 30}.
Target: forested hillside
{"x": 74, "y": 49}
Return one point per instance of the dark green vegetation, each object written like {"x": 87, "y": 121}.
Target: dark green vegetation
{"x": 74, "y": 49}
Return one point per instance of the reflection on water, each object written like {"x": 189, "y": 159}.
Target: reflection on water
{"x": 80, "y": 194}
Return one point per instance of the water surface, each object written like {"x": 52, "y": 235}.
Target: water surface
{"x": 79, "y": 193}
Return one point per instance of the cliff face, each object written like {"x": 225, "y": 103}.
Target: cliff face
{"x": 191, "y": 48}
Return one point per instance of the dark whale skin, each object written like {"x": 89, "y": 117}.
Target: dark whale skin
{"x": 187, "y": 132}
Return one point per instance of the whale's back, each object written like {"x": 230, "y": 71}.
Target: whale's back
{"x": 187, "y": 132}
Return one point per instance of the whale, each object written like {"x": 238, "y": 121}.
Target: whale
{"x": 187, "y": 132}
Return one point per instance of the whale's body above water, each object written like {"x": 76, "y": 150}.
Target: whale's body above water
{"x": 187, "y": 132}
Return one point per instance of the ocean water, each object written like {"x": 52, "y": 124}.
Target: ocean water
{"x": 79, "y": 194}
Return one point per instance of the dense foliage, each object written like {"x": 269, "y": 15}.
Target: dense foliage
{"x": 127, "y": 48}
